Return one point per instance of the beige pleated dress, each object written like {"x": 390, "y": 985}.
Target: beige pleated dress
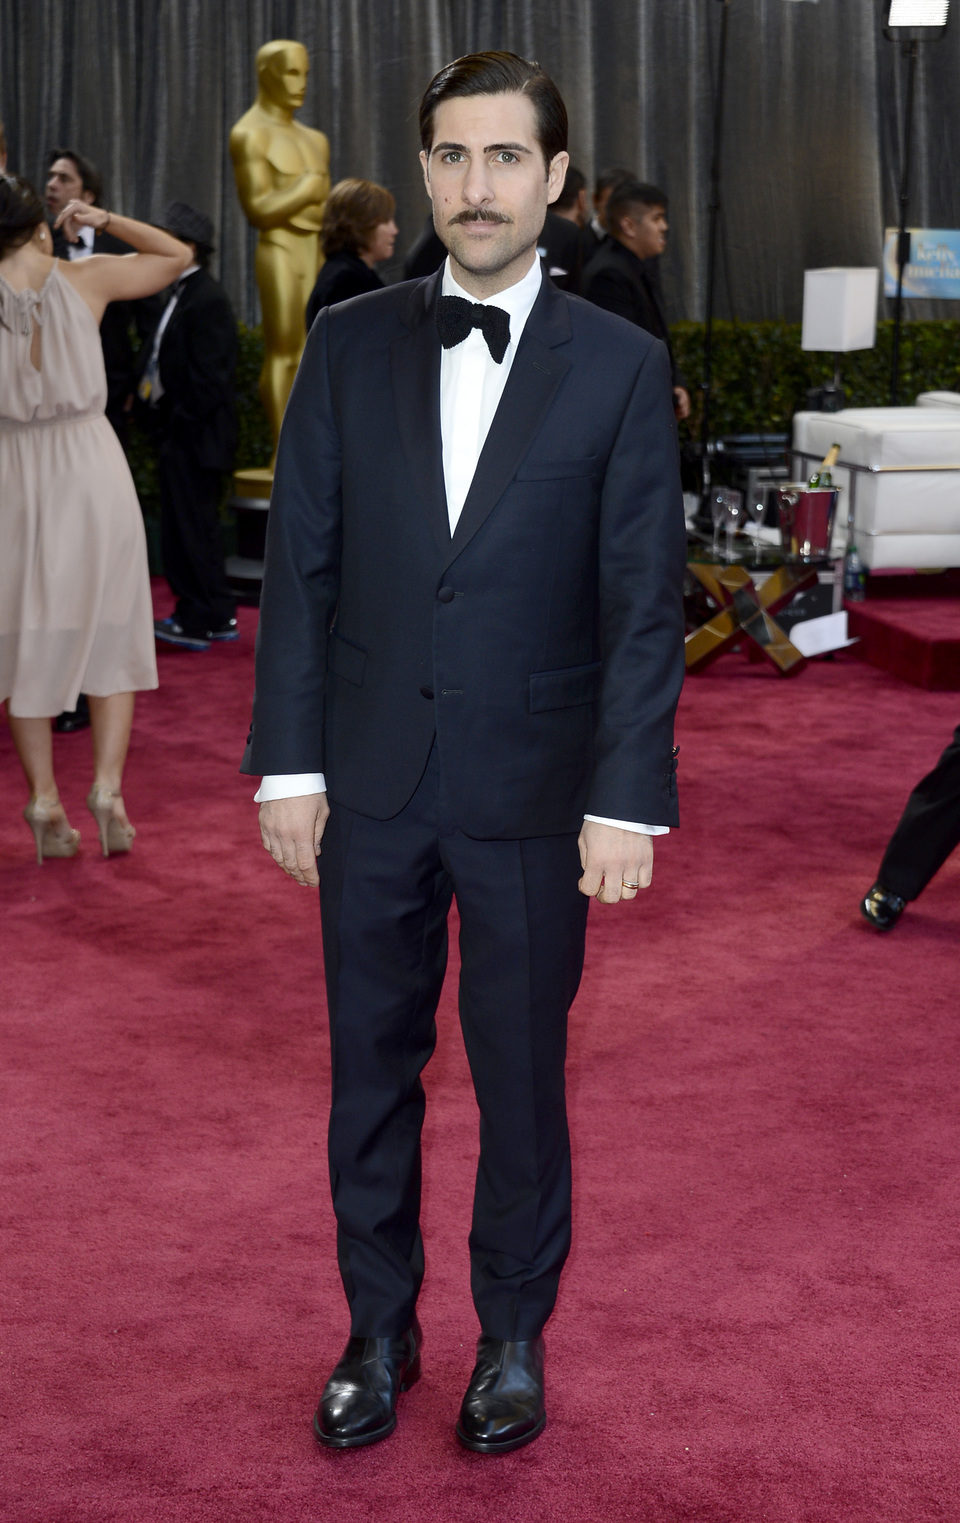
{"x": 75, "y": 607}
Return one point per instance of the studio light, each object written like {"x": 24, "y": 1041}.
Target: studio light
{"x": 917, "y": 19}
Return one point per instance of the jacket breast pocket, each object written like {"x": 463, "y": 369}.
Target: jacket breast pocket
{"x": 346, "y": 660}
{"x": 564, "y": 689}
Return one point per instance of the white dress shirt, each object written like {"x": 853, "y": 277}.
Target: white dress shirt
{"x": 471, "y": 385}
{"x": 83, "y": 245}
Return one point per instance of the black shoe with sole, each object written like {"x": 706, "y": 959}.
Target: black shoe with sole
{"x": 359, "y": 1401}
{"x": 172, "y": 632}
{"x": 882, "y": 908}
{"x": 503, "y": 1408}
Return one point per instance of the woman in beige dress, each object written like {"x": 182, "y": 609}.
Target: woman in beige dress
{"x": 75, "y": 607}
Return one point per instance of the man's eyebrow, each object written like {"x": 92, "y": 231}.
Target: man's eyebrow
{"x": 489, "y": 148}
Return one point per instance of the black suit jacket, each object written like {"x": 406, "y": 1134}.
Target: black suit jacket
{"x": 198, "y": 363}
{"x": 543, "y": 643}
{"x": 344, "y": 275}
{"x": 616, "y": 280}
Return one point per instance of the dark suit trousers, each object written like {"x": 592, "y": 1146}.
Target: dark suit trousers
{"x": 929, "y": 828}
{"x": 385, "y": 890}
{"x": 190, "y": 540}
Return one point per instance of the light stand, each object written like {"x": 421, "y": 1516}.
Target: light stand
{"x": 913, "y": 21}
{"x": 713, "y": 227}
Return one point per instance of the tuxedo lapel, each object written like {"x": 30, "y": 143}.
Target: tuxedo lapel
{"x": 415, "y": 371}
{"x": 536, "y": 373}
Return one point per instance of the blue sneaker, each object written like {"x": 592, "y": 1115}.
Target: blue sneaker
{"x": 170, "y": 632}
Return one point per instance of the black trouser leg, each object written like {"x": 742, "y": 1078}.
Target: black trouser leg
{"x": 522, "y": 932}
{"x": 929, "y": 828}
{"x": 190, "y": 539}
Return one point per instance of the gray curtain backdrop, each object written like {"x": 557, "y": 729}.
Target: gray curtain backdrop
{"x": 811, "y": 136}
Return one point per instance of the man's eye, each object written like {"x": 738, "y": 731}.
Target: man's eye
{"x": 506, "y": 157}
{"x": 451, "y": 157}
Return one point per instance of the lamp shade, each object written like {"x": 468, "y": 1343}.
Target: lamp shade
{"x": 839, "y": 309}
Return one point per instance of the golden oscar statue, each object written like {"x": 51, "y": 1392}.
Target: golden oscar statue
{"x": 282, "y": 171}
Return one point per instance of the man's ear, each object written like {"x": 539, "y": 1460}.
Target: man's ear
{"x": 425, "y": 166}
{"x": 88, "y": 196}
{"x": 556, "y": 175}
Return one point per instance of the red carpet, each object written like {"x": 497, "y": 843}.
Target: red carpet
{"x": 910, "y": 626}
{"x": 759, "y": 1321}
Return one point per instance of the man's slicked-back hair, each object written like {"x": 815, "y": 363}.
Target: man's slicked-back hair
{"x": 90, "y": 176}
{"x": 499, "y": 74}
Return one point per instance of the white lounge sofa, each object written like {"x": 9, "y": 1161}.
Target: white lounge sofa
{"x": 899, "y": 467}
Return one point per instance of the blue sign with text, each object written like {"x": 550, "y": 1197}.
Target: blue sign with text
{"x": 933, "y": 269}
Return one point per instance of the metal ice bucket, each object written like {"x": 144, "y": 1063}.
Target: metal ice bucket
{"x": 806, "y": 519}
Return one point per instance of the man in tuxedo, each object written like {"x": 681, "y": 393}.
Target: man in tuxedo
{"x": 621, "y": 275}
{"x": 926, "y": 834}
{"x": 471, "y": 639}
{"x": 187, "y": 392}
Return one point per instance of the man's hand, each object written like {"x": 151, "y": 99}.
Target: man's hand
{"x": 291, "y": 831}
{"x": 616, "y": 863}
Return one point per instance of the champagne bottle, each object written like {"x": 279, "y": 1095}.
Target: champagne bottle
{"x": 823, "y": 475}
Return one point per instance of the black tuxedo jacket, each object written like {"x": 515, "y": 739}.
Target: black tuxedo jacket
{"x": 198, "y": 364}
{"x": 616, "y": 280}
{"x": 543, "y": 643}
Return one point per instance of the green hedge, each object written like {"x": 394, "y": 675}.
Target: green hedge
{"x": 761, "y": 375}
{"x": 760, "y": 378}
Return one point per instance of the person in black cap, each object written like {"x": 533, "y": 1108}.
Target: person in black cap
{"x": 187, "y": 396}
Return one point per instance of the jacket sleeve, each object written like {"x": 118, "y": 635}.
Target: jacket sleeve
{"x": 642, "y": 557}
{"x": 301, "y": 575}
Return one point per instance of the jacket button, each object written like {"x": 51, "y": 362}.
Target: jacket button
{"x": 446, "y": 595}
{"x": 426, "y": 692}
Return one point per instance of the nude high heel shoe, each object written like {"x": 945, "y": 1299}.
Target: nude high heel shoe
{"x": 115, "y": 836}
{"x": 51, "y": 831}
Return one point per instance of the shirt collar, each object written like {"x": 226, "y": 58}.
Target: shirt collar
{"x": 517, "y": 300}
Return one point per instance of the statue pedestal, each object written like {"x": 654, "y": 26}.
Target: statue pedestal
{"x": 250, "y": 504}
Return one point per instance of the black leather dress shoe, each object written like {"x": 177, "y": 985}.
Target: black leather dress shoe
{"x": 882, "y": 908}
{"x": 359, "y": 1401}
{"x": 503, "y": 1408}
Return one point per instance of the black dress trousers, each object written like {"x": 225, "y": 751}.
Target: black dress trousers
{"x": 929, "y": 828}
{"x": 385, "y": 890}
{"x": 191, "y": 543}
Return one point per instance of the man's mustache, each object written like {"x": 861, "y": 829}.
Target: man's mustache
{"x": 478, "y": 215}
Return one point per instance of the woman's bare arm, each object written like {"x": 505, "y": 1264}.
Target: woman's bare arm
{"x": 157, "y": 261}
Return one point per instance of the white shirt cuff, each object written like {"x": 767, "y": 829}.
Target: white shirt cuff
{"x": 289, "y": 785}
{"x": 643, "y": 830}
{"x": 292, "y": 785}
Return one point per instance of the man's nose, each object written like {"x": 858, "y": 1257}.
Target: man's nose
{"x": 476, "y": 183}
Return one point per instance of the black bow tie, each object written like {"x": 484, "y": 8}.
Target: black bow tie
{"x": 456, "y": 317}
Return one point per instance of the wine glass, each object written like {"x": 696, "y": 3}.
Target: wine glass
{"x": 757, "y": 507}
{"x": 717, "y": 514}
{"x": 733, "y": 515}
